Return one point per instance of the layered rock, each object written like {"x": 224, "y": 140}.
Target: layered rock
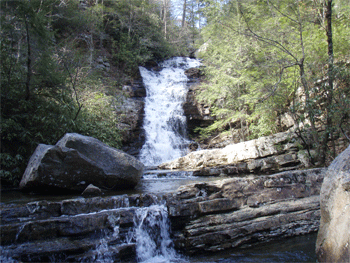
{"x": 71, "y": 230}
{"x": 77, "y": 161}
{"x": 273, "y": 153}
{"x": 333, "y": 240}
{"x": 243, "y": 211}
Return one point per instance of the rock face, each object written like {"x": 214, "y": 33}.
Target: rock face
{"x": 243, "y": 211}
{"x": 197, "y": 114}
{"x": 77, "y": 161}
{"x": 333, "y": 240}
{"x": 131, "y": 113}
{"x": 278, "y": 152}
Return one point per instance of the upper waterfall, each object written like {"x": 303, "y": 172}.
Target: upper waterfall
{"x": 164, "y": 121}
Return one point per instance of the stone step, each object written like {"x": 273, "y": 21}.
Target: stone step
{"x": 68, "y": 250}
{"x": 19, "y": 213}
{"x": 67, "y": 226}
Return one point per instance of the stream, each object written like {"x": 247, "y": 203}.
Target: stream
{"x": 150, "y": 231}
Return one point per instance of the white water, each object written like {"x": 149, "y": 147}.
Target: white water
{"x": 164, "y": 122}
{"x": 152, "y": 235}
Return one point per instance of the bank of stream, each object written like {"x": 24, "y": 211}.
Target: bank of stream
{"x": 294, "y": 249}
{"x": 140, "y": 225}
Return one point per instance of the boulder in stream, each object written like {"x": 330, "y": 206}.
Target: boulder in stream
{"x": 77, "y": 161}
{"x": 333, "y": 240}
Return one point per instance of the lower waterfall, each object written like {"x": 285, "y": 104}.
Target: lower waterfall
{"x": 164, "y": 121}
{"x": 152, "y": 235}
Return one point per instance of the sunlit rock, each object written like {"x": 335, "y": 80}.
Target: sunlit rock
{"x": 92, "y": 190}
{"x": 278, "y": 152}
{"x": 333, "y": 240}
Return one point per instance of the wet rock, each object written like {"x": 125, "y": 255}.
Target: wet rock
{"x": 197, "y": 114}
{"x": 207, "y": 216}
{"x": 131, "y": 114}
{"x": 71, "y": 230}
{"x": 193, "y": 73}
{"x": 333, "y": 240}
{"x": 135, "y": 90}
{"x": 77, "y": 161}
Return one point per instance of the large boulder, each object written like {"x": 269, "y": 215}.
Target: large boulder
{"x": 77, "y": 161}
{"x": 333, "y": 240}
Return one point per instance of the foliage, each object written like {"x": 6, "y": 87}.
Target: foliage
{"x": 259, "y": 55}
{"x": 50, "y": 84}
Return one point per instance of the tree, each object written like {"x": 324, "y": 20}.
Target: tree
{"x": 284, "y": 49}
{"x": 42, "y": 82}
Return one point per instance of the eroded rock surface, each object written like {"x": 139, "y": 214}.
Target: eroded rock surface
{"x": 71, "y": 230}
{"x": 333, "y": 240}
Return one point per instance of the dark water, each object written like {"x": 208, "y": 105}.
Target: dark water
{"x": 293, "y": 249}
{"x": 155, "y": 182}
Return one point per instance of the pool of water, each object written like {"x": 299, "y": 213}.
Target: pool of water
{"x": 153, "y": 181}
{"x": 293, "y": 249}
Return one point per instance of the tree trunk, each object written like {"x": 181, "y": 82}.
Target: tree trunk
{"x": 165, "y": 9}
{"x": 29, "y": 63}
{"x": 328, "y": 89}
{"x": 184, "y": 14}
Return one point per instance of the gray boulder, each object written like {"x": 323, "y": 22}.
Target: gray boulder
{"x": 77, "y": 161}
{"x": 333, "y": 239}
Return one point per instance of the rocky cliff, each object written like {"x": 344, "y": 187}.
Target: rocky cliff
{"x": 131, "y": 113}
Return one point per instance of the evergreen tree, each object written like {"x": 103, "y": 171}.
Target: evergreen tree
{"x": 259, "y": 55}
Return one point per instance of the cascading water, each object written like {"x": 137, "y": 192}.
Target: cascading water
{"x": 164, "y": 122}
{"x": 152, "y": 235}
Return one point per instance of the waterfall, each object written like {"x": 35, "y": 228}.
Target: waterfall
{"x": 152, "y": 235}
{"x": 164, "y": 122}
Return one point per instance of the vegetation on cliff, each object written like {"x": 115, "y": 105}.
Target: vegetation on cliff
{"x": 63, "y": 64}
{"x": 265, "y": 60}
